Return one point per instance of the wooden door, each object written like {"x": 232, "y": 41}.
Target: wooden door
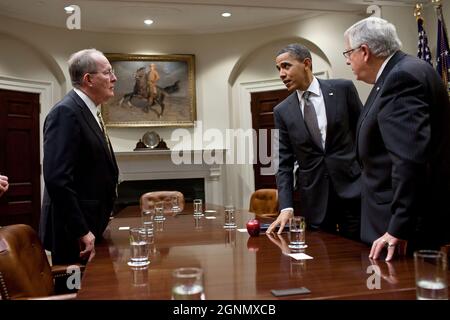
{"x": 19, "y": 157}
{"x": 262, "y": 104}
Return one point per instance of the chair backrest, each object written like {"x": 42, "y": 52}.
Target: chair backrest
{"x": 264, "y": 202}
{"x": 24, "y": 268}
{"x": 150, "y": 198}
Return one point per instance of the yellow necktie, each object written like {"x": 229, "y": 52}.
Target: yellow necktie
{"x": 108, "y": 143}
{"x": 105, "y": 135}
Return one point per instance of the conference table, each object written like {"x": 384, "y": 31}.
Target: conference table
{"x": 237, "y": 266}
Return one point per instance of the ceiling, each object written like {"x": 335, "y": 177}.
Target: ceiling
{"x": 181, "y": 16}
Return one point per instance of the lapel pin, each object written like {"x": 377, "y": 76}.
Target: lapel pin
{"x": 378, "y": 88}
{"x": 330, "y": 94}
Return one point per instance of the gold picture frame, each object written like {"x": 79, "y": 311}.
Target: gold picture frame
{"x": 152, "y": 91}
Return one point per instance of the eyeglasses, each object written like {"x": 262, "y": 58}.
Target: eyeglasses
{"x": 109, "y": 72}
{"x": 348, "y": 53}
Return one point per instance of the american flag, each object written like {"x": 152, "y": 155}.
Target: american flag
{"x": 442, "y": 50}
{"x": 423, "y": 51}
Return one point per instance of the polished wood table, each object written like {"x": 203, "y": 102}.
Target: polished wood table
{"x": 239, "y": 267}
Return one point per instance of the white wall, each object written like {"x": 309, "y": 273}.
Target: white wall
{"x": 223, "y": 62}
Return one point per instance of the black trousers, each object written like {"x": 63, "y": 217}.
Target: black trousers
{"x": 343, "y": 216}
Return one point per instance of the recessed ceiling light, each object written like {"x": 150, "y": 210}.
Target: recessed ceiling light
{"x": 69, "y": 9}
{"x": 148, "y": 22}
{"x": 226, "y": 14}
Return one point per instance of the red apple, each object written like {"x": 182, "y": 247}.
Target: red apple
{"x": 253, "y": 227}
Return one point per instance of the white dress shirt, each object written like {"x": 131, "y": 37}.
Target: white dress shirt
{"x": 383, "y": 66}
{"x": 90, "y": 104}
{"x": 316, "y": 99}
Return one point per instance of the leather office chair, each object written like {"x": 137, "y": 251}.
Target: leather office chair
{"x": 150, "y": 198}
{"x": 264, "y": 203}
{"x": 24, "y": 269}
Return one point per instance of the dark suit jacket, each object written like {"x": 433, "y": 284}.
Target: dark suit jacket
{"x": 403, "y": 143}
{"x": 316, "y": 166}
{"x": 80, "y": 177}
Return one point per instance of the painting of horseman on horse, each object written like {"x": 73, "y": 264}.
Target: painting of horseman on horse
{"x": 151, "y": 91}
{"x": 146, "y": 89}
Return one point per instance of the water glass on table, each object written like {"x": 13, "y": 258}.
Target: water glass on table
{"x": 198, "y": 207}
{"x": 431, "y": 275}
{"x": 147, "y": 218}
{"x": 159, "y": 211}
{"x": 230, "y": 217}
{"x": 187, "y": 284}
{"x": 297, "y": 227}
{"x": 139, "y": 246}
{"x": 175, "y": 205}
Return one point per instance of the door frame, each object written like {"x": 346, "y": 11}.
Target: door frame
{"x": 246, "y": 172}
{"x": 45, "y": 91}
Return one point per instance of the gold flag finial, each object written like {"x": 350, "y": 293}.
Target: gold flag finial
{"x": 418, "y": 10}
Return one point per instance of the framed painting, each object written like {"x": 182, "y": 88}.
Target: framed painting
{"x": 151, "y": 91}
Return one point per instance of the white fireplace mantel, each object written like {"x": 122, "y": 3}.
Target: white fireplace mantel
{"x": 158, "y": 165}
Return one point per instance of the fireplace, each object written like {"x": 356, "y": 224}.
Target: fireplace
{"x": 154, "y": 170}
{"x": 130, "y": 191}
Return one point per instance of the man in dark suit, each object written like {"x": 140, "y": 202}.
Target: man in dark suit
{"x": 403, "y": 143}
{"x": 317, "y": 126}
{"x": 80, "y": 169}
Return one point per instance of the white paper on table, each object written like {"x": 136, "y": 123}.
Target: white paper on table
{"x": 300, "y": 256}
{"x": 242, "y": 230}
{"x": 124, "y": 228}
{"x": 210, "y": 217}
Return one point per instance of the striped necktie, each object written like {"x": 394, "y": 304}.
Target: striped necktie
{"x": 108, "y": 143}
{"x": 105, "y": 135}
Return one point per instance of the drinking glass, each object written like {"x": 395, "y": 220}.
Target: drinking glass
{"x": 159, "y": 211}
{"x": 431, "y": 275}
{"x": 198, "y": 207}
{"x": 139, "y": 244}
{"x": 297, "y": 227}
{"x": 230, "y": 218}
{"x": 147, "y": 218}
{"x": 175, "y": 205}
{"x": 187, "y": 284}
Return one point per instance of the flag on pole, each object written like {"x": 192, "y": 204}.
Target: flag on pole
{"x": 442, "y": 50}
{"x": 423, "y": 51}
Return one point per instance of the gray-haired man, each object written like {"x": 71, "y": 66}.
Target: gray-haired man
{"x": 403, "y": 143}
{"x": 80, "y": 170}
